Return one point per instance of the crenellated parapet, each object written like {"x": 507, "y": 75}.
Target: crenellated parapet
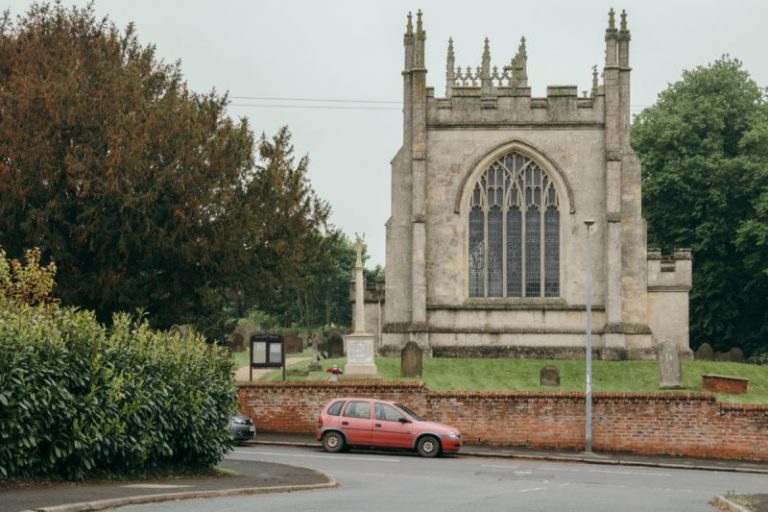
{"x": 670, "y": 272}
{"x": 511, "y": 106}
{"x": 488, "y": 94}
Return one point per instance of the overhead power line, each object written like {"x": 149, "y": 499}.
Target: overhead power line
{"x": 322, "y": 107}
{"x": 319, "y": 100}
{"x": 335, "y": 103}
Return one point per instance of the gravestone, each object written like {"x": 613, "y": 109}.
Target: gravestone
{"x": 670, "y": 367}
{"x": 737, "y": 355}
{"x": 722, "y": 357}
{"x": 550, "y": 376}
{"x": 335, "y": 345}
{"x": 705, "y": 353}
{"x": 360, "y": 363}
{"x": 236, "y": 342}
{"x": 243, "y": 332}
{"x": 314, "y": 365}
{"x": 293, "y": 343}
{"x": 411, "y": 358}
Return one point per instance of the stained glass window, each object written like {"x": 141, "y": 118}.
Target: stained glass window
{"x": 515, "y": 214}
{"x": 476, "y": 256}
{"x": 495, "y": 252}
{"x": 514, "y": 253}
{"x": 533, "y": 252}
{"x": 551, "y": 253}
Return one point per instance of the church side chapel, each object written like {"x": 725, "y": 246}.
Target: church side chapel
{"x": 486, "y": 243}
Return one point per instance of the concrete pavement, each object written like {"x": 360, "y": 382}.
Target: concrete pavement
{"x": 253, "y": 477}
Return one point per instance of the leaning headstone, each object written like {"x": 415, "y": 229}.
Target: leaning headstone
{"x": 411, "y": 358}
{"x": 314, "y": 365}
{"x": 705, "y": 353}
{"x": 549, "y": 376}
{"x": 236, "y": 342}
{"x": 335, "y": 345}
{"x": 737, "y": 355}
{"x": 670, "y": 367}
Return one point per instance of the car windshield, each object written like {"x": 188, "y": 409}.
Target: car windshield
{"x": 409, "y": 412}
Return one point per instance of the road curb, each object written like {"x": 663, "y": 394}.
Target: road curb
{"x": 563, "y": 458}
{"x": 733, "y": 507}
{"x": 302, "y": 444}
{"x": 88, "y": 506}
{"x": 616, "y": 462}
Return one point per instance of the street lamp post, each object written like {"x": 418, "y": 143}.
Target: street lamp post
{"x": 588, "y": 394}
{"x": 380, "y": 295}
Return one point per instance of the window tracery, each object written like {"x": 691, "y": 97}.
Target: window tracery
{"x": 514, "y": 231}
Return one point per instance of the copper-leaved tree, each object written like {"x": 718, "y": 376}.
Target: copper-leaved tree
{"x": 116, "y": 170}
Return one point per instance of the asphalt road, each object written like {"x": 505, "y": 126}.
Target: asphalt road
{"x": 382, "y": 481}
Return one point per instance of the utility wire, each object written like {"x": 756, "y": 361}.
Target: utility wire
{"x": 319, "y": 100}
{"x": 322, "y": 107}
{"x": 342, "y": 103}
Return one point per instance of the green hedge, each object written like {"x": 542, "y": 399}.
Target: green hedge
{"x": 78, "y": 399}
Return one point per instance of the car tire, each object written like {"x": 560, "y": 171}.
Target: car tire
{"x": 333, "y": 441}
{"x": 428, "y": 446}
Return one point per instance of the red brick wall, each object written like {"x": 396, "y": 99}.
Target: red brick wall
{"x": 724, "y": 384}
{"x": 293, "y": 407}
{"x": 648, "y": 423}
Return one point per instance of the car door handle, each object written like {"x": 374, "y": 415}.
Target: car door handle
{"x": 345, "y": 423}
{"x": 378, "y": 424}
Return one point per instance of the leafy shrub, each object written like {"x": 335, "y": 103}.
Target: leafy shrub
{"x": 78, "y": 399}
{"x": 26, "y": 283}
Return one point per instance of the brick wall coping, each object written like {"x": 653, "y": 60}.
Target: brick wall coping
{"x": 610, "y": 395}
{"x": 728, "y": 406}
{"x": 367, "y": 386}
{"x": 724, "y": 377}
{"x": 360, "y": 384}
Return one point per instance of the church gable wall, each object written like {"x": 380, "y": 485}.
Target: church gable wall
{"x": 453, "y": 154}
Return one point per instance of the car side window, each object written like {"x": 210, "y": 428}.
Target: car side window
{"x": 360, "y": 410}
{"x": 335, "y": 409}
{"x": 385, "y": 412}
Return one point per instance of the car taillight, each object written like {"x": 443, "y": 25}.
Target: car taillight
{"x": 320, "y": 422}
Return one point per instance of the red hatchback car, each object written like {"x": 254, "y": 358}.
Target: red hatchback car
{"x": 346, "y": 422}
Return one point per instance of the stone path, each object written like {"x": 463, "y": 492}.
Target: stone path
{"x": 242, "y": 372}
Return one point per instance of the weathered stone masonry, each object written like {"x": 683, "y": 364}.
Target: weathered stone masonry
{"x": 457, "y": 291}
{"x": 684, "y": 424}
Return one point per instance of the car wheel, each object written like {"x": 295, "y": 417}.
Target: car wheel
{"x": 428, "y": 446}
{"x": 333, "y": 442}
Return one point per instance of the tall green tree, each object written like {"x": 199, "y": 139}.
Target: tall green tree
{"x": 147, "y": 194}
{"x": 298, "y": 259}
{"x": 112, "y": 166}
{"x": 704, "y": 172}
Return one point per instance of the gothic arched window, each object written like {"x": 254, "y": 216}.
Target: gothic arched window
{"x": 514, "y": 231}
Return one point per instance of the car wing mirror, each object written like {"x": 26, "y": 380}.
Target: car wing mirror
{"x": 404, "y": 420}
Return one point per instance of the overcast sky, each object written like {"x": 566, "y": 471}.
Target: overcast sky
{"x": 352, "y": 50}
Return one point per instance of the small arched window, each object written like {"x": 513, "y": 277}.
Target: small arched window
{"x": 514, "y": 231}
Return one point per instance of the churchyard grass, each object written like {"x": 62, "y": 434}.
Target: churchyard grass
{"x": 474, "y": 374}
{"x": 241, "y": 358}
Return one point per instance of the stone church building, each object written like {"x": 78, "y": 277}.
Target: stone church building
{"x": 487, "y": 240}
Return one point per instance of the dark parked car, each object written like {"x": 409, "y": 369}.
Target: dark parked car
{"x": 346, "y": 422}
{"x": 242, "y": 428}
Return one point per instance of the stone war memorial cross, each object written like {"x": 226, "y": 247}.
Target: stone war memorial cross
{"x": 359, "y": 344}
